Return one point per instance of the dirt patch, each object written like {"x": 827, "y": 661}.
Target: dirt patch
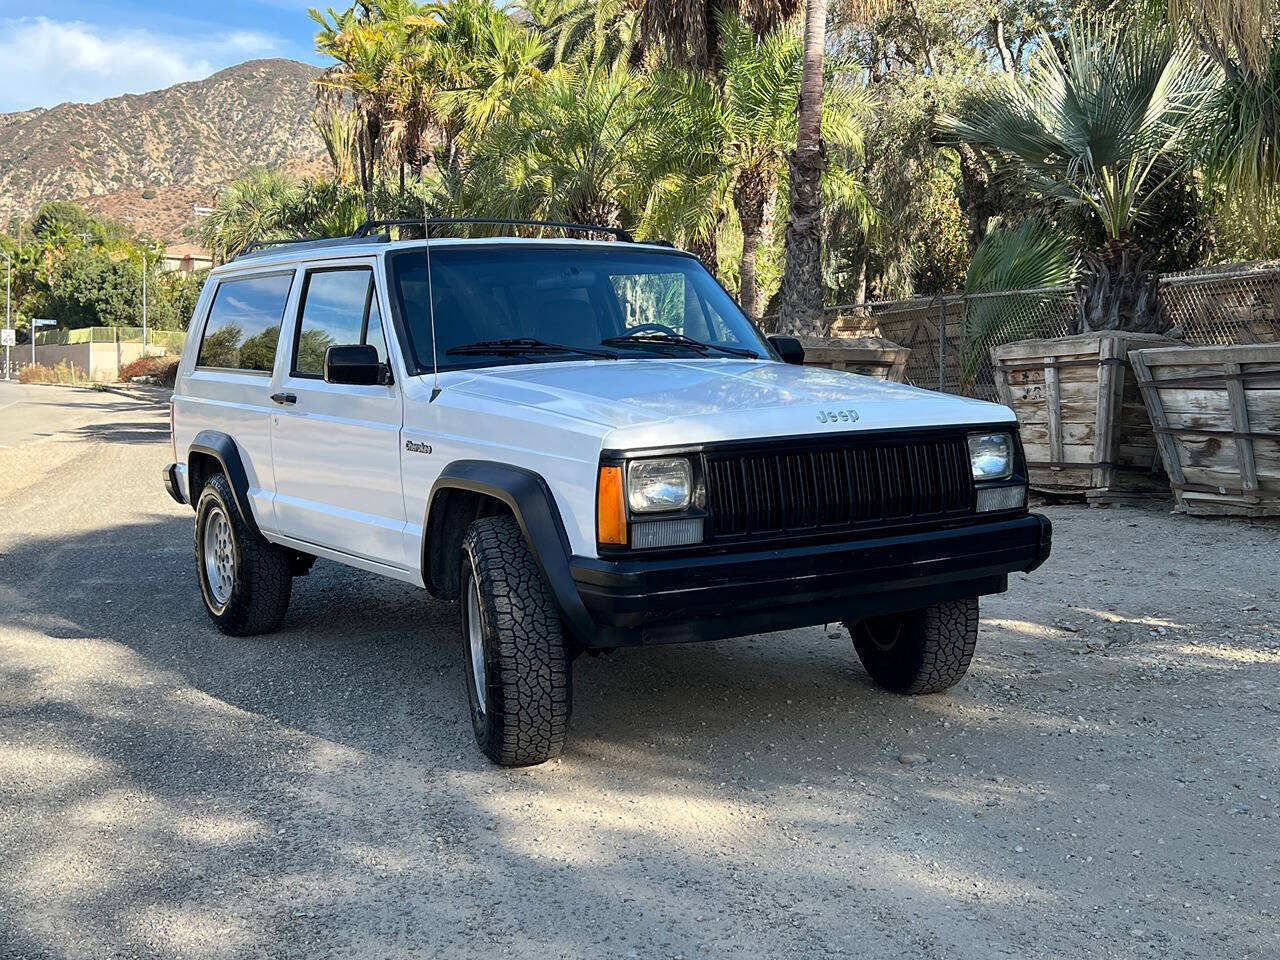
{"x": 1104, "y": 783}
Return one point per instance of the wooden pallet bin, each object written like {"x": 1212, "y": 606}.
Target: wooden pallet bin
{"x": 1216, "y": 414}
{"x": 870, "y": 356}
{"x": 1084, "y": 426}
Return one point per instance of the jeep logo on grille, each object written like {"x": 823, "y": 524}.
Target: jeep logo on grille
{"x": 837, "y": 416}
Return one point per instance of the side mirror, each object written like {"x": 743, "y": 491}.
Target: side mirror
{"x": 789, "y": 349}
{"x": 355, "y": 363}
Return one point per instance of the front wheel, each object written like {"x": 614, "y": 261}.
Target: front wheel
{"x": 921, "y": 651}
{"x": 518, "y": 676}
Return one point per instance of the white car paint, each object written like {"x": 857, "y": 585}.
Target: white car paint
{"x": 332, "y": 474}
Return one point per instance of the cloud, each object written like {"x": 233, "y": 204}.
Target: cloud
{"x": 44, "y": 62}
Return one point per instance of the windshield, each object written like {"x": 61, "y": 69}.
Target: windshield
{"x": 573, "y": 297}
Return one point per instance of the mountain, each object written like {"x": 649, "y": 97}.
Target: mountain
{"x": 147, "y": 158}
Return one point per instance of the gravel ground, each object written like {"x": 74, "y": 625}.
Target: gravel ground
{"x": 1104, "y": 783}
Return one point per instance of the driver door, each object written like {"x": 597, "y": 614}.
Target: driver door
{"x": 336, "y": 447}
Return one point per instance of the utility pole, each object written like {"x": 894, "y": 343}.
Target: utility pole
{"x": 144, "y": 301}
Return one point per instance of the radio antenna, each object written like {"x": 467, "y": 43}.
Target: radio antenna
{"x": 431, "y": 308}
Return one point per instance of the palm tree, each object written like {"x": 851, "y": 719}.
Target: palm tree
{"x": 712, "y": 145}
{"x": 257, "y": 207}
{"x": 800, "y": 304}
{"x": 1238, "y": 34}
{"x": 337, "y": 130}
{"x": 565, "y": 150}
{"x": 355, "y": 43}
{"x": 686, "y": 31}
{"x": 1102, "y": 120}
{"x": 477, "y": 60}
{"x": 593, "y": 31}
{"x": 1241, "y": 143}
{"x": 374, "y": 46}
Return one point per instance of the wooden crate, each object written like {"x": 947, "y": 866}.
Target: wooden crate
{"x": 1216, "y": 414}
{"x": 870, "y": 356}
{"x": 1084, "y": 426}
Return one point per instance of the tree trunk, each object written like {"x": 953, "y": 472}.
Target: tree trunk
{"x": 980, "y": 205}
{"x": 366, "y": 177}
{"x": 704, "y": 248}
{"x": 801, "y": 294}
{"x": 749, "y": 197}
{"x": 1115, "y": 292}
{"x": 860, "y": 271}
{"x": 1002, "y": 48}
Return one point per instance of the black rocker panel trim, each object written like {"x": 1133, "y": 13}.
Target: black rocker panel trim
{"x": 222, "y": 448}
{"x": 531, "y": 502}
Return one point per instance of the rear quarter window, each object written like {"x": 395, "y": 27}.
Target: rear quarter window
{"x": 243, "y": 328}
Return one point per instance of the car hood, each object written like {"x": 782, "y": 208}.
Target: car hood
{"x": 656, "y": 401}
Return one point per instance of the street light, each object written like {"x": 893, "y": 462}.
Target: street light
{"x": 8, "y": 316}
{"x": 144, "y": 301}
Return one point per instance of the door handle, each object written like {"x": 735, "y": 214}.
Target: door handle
{"x": 284, "y": 398}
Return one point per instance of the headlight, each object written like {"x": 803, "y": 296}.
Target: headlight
{"x": 991, "y": 456}
{"x": 654, "y": 486}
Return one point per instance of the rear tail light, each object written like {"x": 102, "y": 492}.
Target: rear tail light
{"x": 173, "y": 442}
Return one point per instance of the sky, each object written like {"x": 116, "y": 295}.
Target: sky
{"x": 58, "y": 51}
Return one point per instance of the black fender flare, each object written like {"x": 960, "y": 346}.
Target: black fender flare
{"x": 530, "y": 500}
{"x": 222, "y": 448}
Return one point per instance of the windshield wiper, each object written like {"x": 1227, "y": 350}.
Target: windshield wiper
{"x": 679, "y": 340}
{"x": 517, "y": 345}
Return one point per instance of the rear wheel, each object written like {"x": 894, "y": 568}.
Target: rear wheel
{"x": 518, "y": 676}
{"x": 244, "y": 579}
{"x": 921, "y": 651}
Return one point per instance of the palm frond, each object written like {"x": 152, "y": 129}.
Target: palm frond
{"x": 1029, "y": 256}
{"x": 1006, "y": 283}
{"x": 1095, "y": 114}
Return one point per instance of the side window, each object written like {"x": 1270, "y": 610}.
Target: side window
{"x": 244, "y": 323}
{"x": 338, "y": 308}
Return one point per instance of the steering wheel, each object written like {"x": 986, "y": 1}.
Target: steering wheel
{"x": 650, "y": 328}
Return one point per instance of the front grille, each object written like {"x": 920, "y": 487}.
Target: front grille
{"x": 859, "y": 482}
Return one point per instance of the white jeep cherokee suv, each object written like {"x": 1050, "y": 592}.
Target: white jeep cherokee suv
{"x": 587, "y": 445}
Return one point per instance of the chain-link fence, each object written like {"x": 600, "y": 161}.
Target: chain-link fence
{"x": 1238, "y": 303}
{"x": 171, "y": 339}
{"x": 951, "y": 335}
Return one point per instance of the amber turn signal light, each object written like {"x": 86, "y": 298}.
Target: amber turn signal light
{"x": 611, "y": 511}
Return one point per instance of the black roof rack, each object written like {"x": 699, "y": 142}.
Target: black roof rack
{"x": 363, "y": 231}
{"x": 260, "y": 248}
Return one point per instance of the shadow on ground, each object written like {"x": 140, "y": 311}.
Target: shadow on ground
{"x": 314, "y": 792}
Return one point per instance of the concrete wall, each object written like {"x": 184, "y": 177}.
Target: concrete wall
{"x": 102, "y": 361}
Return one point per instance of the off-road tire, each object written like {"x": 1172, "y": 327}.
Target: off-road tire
{"x": 923, "y": 651}
{"x": 527, "y": 674}
{"x": 261, "y": 584}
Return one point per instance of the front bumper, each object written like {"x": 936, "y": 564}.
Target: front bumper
{"x": 643, "y": 601}
{"x": 171, "y": 485}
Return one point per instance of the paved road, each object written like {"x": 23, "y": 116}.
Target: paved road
{"x": 1105, "y": 783}
{"x": 33, "y": 412}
